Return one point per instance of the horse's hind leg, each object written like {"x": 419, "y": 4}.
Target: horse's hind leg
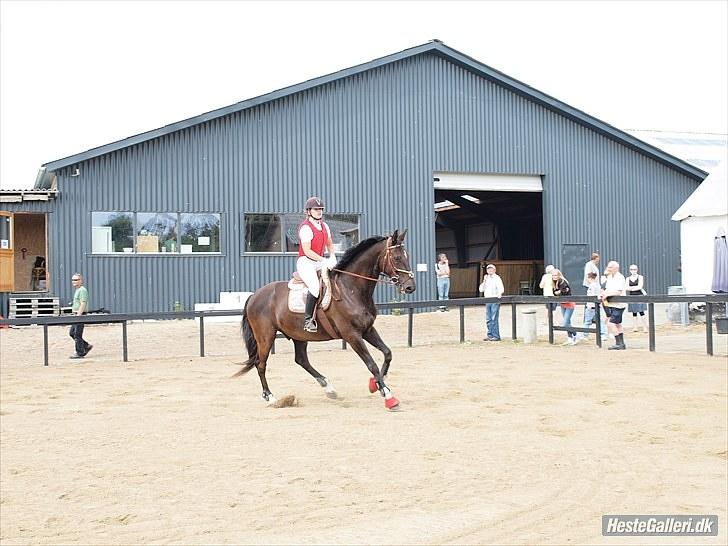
{"x": 374, "y": 339}
{"x": 265, "y": 343}
{"x": 302, "y": 360}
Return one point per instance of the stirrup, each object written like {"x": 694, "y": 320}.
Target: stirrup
{"x": 309, "y": 325}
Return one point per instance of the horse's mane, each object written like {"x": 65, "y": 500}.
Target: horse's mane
{"x": 351, "y": 254}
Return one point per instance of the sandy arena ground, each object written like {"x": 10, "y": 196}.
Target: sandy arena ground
{"x": 495, "y": 442}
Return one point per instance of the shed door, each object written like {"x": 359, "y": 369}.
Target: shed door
{"x": 573, "y": 258}
{"x": 7, "y": 265}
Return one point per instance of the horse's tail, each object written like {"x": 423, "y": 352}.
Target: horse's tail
{"x": 250, "y": 344}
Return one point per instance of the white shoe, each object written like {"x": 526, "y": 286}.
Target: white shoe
{"x": 567, "y": 342}
{"x": 605, "y": 338}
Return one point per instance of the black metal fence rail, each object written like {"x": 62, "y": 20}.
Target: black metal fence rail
{"x": 709, "y": 299}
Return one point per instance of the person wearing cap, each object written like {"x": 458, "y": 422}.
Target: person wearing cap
{"x": 492, "y": 287}
{"x": 315, "y": 238}
{"x": 80, "y": 306}
{"x": 547, "y": 286}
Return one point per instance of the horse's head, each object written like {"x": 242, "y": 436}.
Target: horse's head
{"x": 396, "y": 263}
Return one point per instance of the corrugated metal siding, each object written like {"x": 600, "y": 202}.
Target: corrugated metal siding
{"x": 367, "y": 144}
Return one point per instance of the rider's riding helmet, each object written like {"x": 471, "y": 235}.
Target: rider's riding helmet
{"x": 314, "y": 203}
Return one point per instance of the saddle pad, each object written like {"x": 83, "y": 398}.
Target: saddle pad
{"x": 297, "y": 295}
{"x": 298, "y": 292}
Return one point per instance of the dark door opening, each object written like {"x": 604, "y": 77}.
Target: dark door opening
{"x": 502, "y": 227}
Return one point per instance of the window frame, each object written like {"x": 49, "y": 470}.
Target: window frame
{"x": 178, "y": 223}
{"x": 282, "y": 241}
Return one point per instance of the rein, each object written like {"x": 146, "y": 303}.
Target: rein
{"x": 387, "y": 258}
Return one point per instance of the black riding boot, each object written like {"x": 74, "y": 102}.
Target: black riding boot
{"x": 309, "y": 323}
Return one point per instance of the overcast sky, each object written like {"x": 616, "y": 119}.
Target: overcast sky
{"x": 77, "y": 75}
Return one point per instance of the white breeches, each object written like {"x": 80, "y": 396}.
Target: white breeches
{"x": 307, "y": 268}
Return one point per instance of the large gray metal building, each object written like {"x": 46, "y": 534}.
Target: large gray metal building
{"x": 471, "y": 161}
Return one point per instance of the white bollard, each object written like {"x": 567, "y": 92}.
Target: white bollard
{"x": 528, "y": 325}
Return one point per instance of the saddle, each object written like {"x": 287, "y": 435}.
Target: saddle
{"x": 298, "y": 292}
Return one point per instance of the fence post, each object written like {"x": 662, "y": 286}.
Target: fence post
{"x": 45, "y": 345}
{"x": 651, "y": 322}
{"x": 411, "y": 311}
{"x": 124, "y": 354}
{"x": 709, "y": 328}
{"x": 202, "y": 335}
{"x": 343, "y": 345}
{"x": 551, "y": 323}
{"x": 598, "y": 323}
{"x": 462, "y": 323}
{"x": 514, "y": 334}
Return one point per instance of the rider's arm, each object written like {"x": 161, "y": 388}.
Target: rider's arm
{"x": 306, "y": 245}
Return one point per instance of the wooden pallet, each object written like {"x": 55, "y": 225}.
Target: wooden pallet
{"x": 33, "y": 306}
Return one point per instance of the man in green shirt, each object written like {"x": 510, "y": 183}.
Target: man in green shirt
{"x": 80, "y": 304}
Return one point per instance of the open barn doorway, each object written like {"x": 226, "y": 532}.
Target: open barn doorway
{"x": 23, "y": 251}
{"x": 483, "y": 218}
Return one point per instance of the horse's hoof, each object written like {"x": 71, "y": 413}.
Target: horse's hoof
{"x": 392, "y": 404}
{"x": 329, "y": 390}
{"x": 373, "y": 385}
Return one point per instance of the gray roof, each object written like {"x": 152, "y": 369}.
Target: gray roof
{"x": 434, "y": 47}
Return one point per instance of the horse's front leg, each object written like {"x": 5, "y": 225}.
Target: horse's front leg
{"x": 374, "y": 339}
{"x": 357, "y": 343}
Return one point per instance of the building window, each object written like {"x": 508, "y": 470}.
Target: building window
{"x": 155, "y": 233}
{"x": 112, "y": 232}
{"x": 199, "y": 232}
{"x": 278, "y": 233}
{"x": 263, "y": 233}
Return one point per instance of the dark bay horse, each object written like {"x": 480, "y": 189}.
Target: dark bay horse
{"x": 351, "y": 313}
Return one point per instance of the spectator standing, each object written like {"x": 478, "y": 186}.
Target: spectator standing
{"x": 547, "y": 285}
{"x": 615, "y": 286}
{"x": 636, "y": 287}
{"x": 561, "y": 288}
{"x": 79, "y": 307}
{"x": 442, "y": 269}
{"x": 592, "y": 266}
{"x": 591, "y": 308}
{"x": 492, "y": 287}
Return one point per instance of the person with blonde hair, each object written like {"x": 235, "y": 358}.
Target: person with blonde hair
{"x": 561, "y": 287}
{"x": 442, "y": 270}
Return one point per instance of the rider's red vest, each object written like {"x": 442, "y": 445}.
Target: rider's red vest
{"x": 320, "y": 240}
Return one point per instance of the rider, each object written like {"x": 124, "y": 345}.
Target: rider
{"x": 314, "y": 236}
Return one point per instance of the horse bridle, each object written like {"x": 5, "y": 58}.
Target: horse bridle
{"x": 394, "y": 279}
{"x": 386, "y": 258}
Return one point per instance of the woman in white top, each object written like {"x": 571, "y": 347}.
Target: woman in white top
{"x": 442, "y": 270}
{"x": 315, "y": 238}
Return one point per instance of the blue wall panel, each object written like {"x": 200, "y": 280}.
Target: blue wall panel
{"x": 368, "y": 144}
